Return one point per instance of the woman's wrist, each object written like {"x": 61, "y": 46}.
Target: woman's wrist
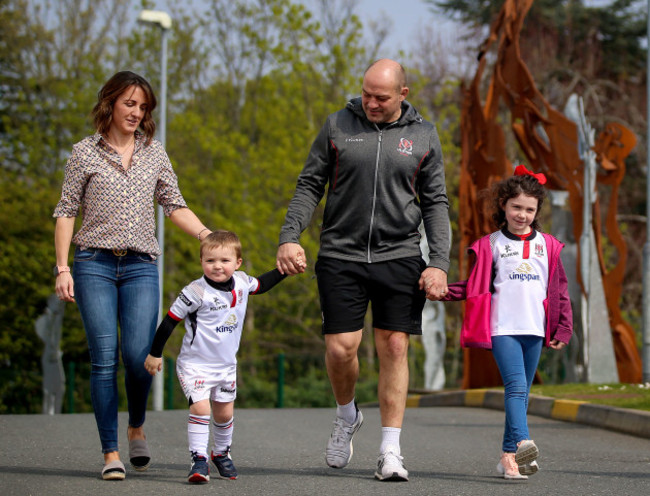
{"x": 198, "y": 236}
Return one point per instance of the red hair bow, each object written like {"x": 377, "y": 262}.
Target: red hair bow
{"x": 521, "y": 170}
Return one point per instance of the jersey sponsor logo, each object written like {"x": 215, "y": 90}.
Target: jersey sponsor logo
{"x": 199, "y": 384}
{"x": 229, "y": 326}
{"x": 218, "y": 305}
{"x": 353, "y": 140}
{"x": 509, "y": 252}
{"x": 539, "y": 249}
{"x": 240, "y": 296}
{"x": 524, "y": 273}
{"x": 405, "y": 147}
{"x": 226, "y": 390}
{"x": 185, "y": 299}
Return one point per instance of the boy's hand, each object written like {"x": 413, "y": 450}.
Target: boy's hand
{"x": 291, "y": 259}
{"x": 153, "y": 364}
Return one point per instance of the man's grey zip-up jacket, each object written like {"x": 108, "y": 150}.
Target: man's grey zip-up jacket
{"x": 383, "y": 181}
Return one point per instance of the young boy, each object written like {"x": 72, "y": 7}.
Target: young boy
{"x": 214, "y": 308}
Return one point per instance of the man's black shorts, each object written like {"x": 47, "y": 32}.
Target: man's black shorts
{"x": 345, "y": 288}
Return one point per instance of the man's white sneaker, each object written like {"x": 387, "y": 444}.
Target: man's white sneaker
{"x": 339, "y": 447}
{"x": 390, "y": 466}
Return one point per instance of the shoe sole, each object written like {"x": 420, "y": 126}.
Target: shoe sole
{"x": 394, "y": 477}
{"x": 226, "y": 477}
{"x": 140, "y": 468}
{"x": 351, "y": 447}
{"x": 115, "y": 475}
{"x": 515, "y": 477}
{"x": 521, "y": 476}
{"x": 528, "y": 469}
{"x": 198, "y": 479}
{"x": 527, "y": 455}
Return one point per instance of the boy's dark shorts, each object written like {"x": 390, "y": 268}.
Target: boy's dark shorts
{"x": 345, "y": 288}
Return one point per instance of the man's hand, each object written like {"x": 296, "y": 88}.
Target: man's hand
{"x": 291, "y": 259}
{"x": 434, "y": 282}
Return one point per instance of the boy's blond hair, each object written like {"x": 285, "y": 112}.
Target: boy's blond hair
{"x": 221, "y": 238}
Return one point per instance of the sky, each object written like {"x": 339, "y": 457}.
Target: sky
{"x": 406, "y": 17}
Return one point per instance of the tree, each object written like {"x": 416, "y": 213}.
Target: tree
{"x": 249, "y": 83}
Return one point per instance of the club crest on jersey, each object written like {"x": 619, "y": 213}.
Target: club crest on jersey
{"x": 539, "y": 249}
{"x": 199, "y": 384}
{"x": 229, "y": 326}
{"x": 524, "y": 273}
{"x": 405, "y": 146}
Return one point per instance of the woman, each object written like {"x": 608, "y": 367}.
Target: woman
{"x": 113, "y": 176}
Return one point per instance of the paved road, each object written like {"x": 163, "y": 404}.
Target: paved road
{"x": 448, "y": 451}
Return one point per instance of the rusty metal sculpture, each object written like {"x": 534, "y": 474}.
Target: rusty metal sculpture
{"x": 549, "y": 141}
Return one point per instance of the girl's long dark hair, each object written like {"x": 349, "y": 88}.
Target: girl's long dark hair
{"x": 511, "y": 188}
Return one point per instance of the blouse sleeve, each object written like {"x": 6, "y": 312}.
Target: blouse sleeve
{"x": 74, "y": 184}
{"x": 167, "y": 192}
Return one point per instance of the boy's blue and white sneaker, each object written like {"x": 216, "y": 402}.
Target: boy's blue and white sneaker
{"x": 224, "y": 464}
{"x": 199, "y": 471}
{"x": 339, "y": 447}
{"x": 390, "y": 466}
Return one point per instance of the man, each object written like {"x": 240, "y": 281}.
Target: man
{"x": 383, "y": 166}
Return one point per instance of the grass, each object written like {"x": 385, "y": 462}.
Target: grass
{"x": 635, "y": 396}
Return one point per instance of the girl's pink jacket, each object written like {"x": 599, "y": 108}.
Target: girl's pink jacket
{"x": 476, "y": 332}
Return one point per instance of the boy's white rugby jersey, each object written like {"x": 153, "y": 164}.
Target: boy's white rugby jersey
{"x": 213, "y": 321}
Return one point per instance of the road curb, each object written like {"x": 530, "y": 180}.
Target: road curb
{"x": 634, "y": 422}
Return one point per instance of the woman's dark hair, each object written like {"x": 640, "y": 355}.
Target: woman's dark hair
{"x": 103, "y": 111}
{"x": 511, "y": 188}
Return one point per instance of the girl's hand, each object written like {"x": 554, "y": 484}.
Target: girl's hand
{"x": 556, "y": 345}
{"x": 153, "y": 364}
{"x": 434, "y": 282}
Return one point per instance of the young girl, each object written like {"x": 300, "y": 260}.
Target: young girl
{"x": 517, "y": 300}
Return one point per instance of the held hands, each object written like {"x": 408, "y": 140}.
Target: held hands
{"x": 556, "y": 345}
{"x": 153, "y": 364}
{"x": 291, "y": 259}
{"x": 64, "y": 287}
{"x": 434, "y": 282}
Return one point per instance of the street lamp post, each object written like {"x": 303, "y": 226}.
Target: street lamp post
{"x": 164, "y": 21}
{"x": 646, "y": 247}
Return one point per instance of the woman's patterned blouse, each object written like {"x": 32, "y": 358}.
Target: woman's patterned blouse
{"x": 117, "y": 205}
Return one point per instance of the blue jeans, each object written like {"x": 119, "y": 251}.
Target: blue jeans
{"x": 517, "y": 358}
{"x": 112, "y": 289}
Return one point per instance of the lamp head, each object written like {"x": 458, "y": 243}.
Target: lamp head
{"x": 156, "y": 17}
